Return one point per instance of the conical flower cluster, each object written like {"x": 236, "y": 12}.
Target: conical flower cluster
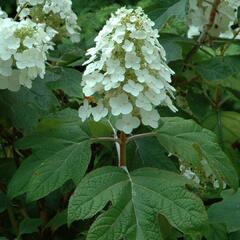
{"x": 57, "y": 14}
{"x": 127, "y": 73}
{"x": 23, "y": 49}
{"x": 225, "y": 17}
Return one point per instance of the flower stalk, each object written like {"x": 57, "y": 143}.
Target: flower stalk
{"x": 123, "y": 150}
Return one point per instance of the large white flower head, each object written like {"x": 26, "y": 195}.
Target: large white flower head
{"x": 127, "y": 71}
{"x": 23, "y": 49}
{"x": 57, "y": 14}
{"x": 199, "y": 17}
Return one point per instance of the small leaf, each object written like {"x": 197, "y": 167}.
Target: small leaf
{"x": 29, "y": 225}
{"x": 164, "y": 10}
{"x": 137, "y": 199}
{"x": 58, "y": 221}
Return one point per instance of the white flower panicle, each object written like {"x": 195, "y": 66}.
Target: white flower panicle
{"x": 202, "y": 176}
{"x": 127, "y": 71}
{"x": 55, "y": 13}
{"x": 23, "y": 49}
{"x": 199, "y": 15}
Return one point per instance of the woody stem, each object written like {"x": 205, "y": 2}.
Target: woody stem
{"x": 123, "y": 150}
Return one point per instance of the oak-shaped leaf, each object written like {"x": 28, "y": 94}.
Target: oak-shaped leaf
{"x": 61, "y": 148}
{"x": 137, "y": 199}
{"x": 193, "y": 144}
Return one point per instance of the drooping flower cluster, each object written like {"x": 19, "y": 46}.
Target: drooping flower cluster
{"x": 55, "y": 13}
{"x": 23, "y": 49}
{"x": 202, "y": 176}
{"x": 127, "y": 73}
{"x": 225, "y": 18}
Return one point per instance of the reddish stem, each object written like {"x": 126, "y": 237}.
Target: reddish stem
{"x": 123, "y": 150}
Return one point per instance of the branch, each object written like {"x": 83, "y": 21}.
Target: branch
{"x": 20, "y": 10}
{"x": 105, "y": 139}
{"x": 143, "y": 135}
{"x": 123, "y": 150}
{"x": 202, "y": 38}
{"x": 12, "y": 219}
{"x": 225, "y": 47}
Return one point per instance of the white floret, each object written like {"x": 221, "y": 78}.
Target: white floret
{"x": 133, "y": 88}
{"x": 120, "y": 104}
{"x": 127, "y": 123}
{"x": 132, "y": 60}
{"x": 6, "y": 67}
{"x": 85, "y": 110}
{"x": 99, "y": 112}
{"x": 143, "y": 102}
{"x": 150, "y": 118}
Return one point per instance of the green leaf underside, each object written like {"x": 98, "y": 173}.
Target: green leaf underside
{"x": 64, "y": 151}
{"x": 137, "y": 199}
{"x": 192, "y": 143}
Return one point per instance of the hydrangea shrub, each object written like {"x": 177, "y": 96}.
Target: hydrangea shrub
{"x": 136, "y": 138}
